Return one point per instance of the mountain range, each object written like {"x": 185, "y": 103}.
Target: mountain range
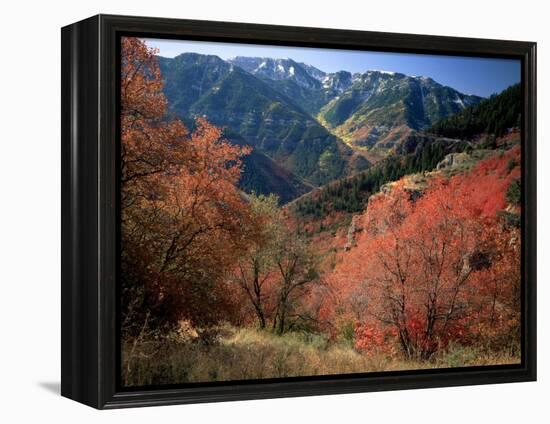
{"x": 307, "y": 127}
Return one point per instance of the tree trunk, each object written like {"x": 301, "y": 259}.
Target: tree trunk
{"x": 258, "y": 294}
{"x": 282, "y": 315}
{"x": 261, "y": 318}
{"x": 281, "y": 323}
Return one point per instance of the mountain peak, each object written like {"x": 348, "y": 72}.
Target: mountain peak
{"x": 277, "y": 69}
{"x": 313, "y": 71}
{"x": 380, "y": 71}
{"x": 338, "y": 81}
{"x": 197, "y": 56}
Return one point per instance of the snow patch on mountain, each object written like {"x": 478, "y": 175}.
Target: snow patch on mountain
{"x": 384, "y": 72}
{"x": 459, "y": 101}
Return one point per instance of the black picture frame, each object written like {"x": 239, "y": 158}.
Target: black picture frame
{"x": 90, "y": 187}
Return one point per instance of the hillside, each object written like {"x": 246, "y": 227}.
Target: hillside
{"x": 380, "y": 109}
{"x": 495, "y": 115}
{"x": 350, "y": 194}
{"x": 262, "y": 175}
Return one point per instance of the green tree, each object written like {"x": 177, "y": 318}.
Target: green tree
{"x": 513, "y": 194}
{"x": 256, "y": 266}
{"x": 297, "y": 265}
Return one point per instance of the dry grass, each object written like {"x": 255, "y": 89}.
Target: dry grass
{"x": 243, "y": 354}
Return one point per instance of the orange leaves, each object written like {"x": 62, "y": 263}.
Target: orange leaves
{"x": 141, "y": 82}
{"x": 436, "y": 265}
{"x": 372, "y": 339}
{"x": 485, "y": 186}
{"x": 183, "y": 217}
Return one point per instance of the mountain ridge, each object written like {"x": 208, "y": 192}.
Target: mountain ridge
{"x": 264, "y": 117}
{"x": 318, "y": 126}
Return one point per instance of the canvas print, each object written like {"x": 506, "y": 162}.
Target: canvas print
{"x": 293, "y": 212}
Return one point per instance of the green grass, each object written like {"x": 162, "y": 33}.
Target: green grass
{"x": 242, "y": 354}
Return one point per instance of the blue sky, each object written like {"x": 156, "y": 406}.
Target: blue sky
{"x": 469, "y": 75}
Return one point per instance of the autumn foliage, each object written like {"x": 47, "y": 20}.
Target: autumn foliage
{"x": 182, "y": 213}
{"x": 434, "y": 266}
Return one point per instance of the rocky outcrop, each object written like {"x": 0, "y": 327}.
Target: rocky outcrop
{"x": 454, "y": 160}
{"x": 353, "y": 229}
